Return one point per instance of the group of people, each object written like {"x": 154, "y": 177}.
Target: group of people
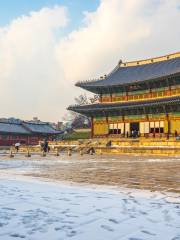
{"x": 44, "y": 146}
{"x": 133, "y": 134}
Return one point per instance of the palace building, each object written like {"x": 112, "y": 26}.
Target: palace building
{"x": 25, "y": 132}
{"x": 139, "y": 98}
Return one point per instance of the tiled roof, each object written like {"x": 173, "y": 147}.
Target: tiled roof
{"x": 99, "y": 107}
{"x": 27, "y": 128}
{"x": 43, "y": 128}
{"x": 12, "y": 128}
{"x": 129, "y": 74}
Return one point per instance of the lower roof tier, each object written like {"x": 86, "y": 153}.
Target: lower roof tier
{"x": 163, "y": 105}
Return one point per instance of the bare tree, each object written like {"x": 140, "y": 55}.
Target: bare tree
{"x": 94, "y": 99}
{"x": 82, "y": 99}
{"x": 77, "y": 120}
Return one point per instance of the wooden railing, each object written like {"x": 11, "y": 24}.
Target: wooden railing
{"x": 143, "y": 96}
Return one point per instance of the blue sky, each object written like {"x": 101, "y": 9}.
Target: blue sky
{"x": 10, "y": 9}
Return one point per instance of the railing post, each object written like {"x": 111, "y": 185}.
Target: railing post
{"x": 57, "y": 152}
{"x": 11, "y": 153}
{"x": 28, "y": 153}
{"x": 69, "y": 152}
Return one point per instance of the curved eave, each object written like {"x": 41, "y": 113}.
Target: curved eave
{"x": 97, "y": 87}
{"x": 46, "y": 133}
{"x": 14, "y": 133}
{"x": 102, "y": 109}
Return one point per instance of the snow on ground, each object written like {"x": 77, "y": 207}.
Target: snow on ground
{"x": 42, "y": 209}
{"x": 37, "y": 210}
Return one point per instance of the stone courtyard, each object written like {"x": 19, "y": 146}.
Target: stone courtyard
{"x": 67, "y": 197}
{"x": 140, "y": 172}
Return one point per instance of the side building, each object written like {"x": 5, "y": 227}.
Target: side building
{"x": 141, "y": 97}
{"x": 29, "y": 133}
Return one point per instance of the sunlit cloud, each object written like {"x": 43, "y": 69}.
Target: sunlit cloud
{"x": 39, "y": 65}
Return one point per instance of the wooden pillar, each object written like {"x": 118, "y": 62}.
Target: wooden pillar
{"x": 154, "y": 134}
{"x": 149, "y": 128}
{"x": 170, "y": 91}
{"x": 150, "y": 93}
{"x": 111, "y": 97}
{"x": 127, "y": 96}
{"x": 124, "y": 133}
{"x": 169, "y": 128}
{"x": 107, "y": 122}
{"x": 169, "y": 125}
{"x": 92, "y": 127}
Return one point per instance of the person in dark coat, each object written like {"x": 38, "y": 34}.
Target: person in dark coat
{"x": 45, "y": 147}
{"x": 176, "y": 134}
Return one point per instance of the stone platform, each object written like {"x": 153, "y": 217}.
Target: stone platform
{"x": 142, "y": 146}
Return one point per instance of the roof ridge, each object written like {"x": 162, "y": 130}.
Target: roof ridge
{"x": 15, "y": 123}
{"x": 149, "y": 60}
{"x": 37, "y": 123}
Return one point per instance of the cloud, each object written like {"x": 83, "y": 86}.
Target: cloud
{"x": 120, "y": 29}
{"x": 29, "y": 71}
{"x": 39, "y": 65}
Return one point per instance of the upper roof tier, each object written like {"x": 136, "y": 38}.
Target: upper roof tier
{"x": 135, "y": 72}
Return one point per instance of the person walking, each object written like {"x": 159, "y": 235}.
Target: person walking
{"x": 45, "y": 147}
{"x": 17, "y": 145}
